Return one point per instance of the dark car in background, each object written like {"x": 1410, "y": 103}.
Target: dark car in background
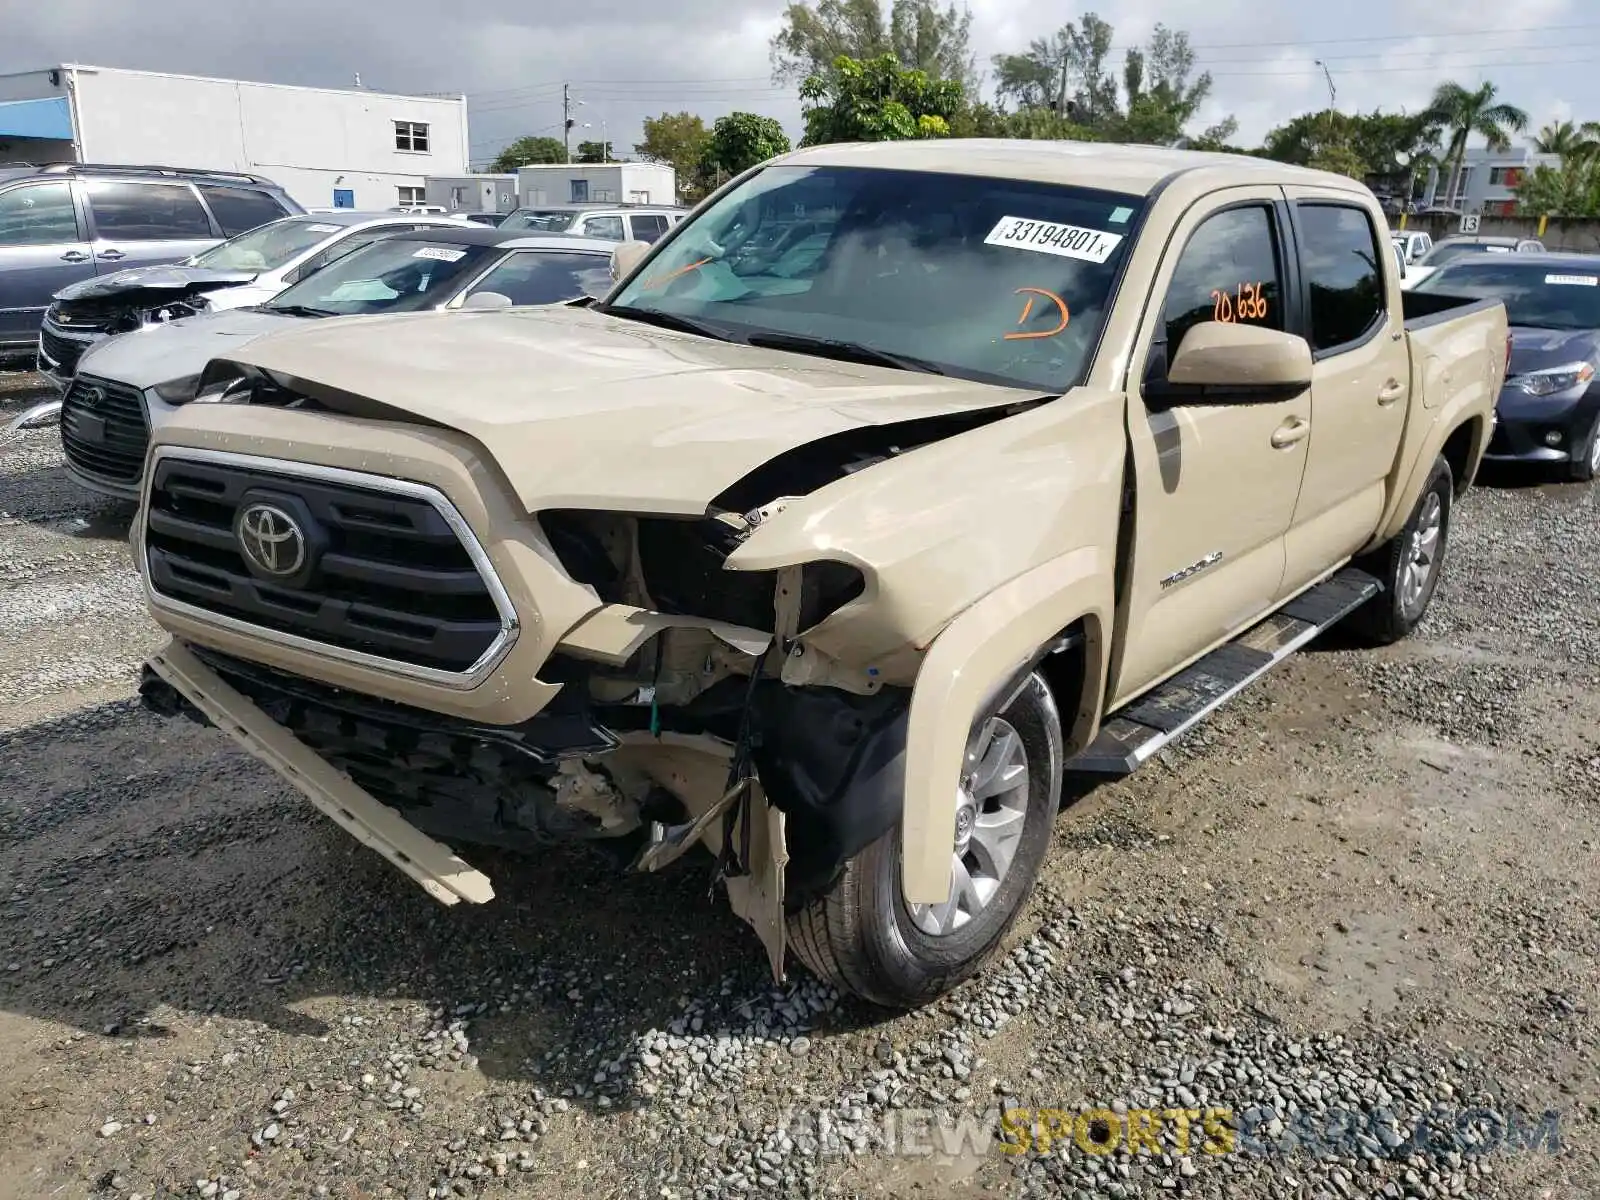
{"x": 61, "y": 223}
{"x": 1549, "y": 407}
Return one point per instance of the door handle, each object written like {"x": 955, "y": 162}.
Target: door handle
{"x": 74, "y": 256}
{"x": 1390, "y": 392}
{"x": 1290, "y": 432}
{"x": 110, "y": 255}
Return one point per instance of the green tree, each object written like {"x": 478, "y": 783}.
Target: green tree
{"x": 1460, "y": 114}
{"x": 877, "y": 101}
{"x": 678, "y": 139}
{"x": 527, "y": 151}
{"x": 740, "y": 140}
{"x": 1067, "y": 72}
{"x": 594, "y": 152}
{"x": 1570, "y": 190}
{"x": 1569, "y": 140}
{"x": 917, "y": 33}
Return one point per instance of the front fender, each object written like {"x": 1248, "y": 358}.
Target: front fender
{"x": 964, "y": 670}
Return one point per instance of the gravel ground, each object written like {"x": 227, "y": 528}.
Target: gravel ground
{"x": 1353, "y": 919}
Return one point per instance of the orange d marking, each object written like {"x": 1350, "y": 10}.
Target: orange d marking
{"x": 1027, "y": 311}
{"x": 663, "y": 280}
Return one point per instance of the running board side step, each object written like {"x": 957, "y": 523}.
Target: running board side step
{"x": 1133, "y": 735}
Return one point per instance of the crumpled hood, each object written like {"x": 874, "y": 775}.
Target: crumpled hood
{"x": 583, "y": 410}
{"x": 1533, "y": 349}
{"x": 153, "y": 285}
{"x": 177, "y": 349}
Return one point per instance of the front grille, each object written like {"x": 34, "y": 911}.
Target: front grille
{"x": 63, "y": 352}
{"x": 383, "y": 571}
{"x": 104, "y": 431}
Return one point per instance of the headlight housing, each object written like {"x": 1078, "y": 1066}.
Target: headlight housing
{"x": 178, "y": 391}
{"x": 1549, "y": 380}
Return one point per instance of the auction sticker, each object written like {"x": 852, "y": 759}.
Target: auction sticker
{"x": 324, "y": 228}
{"x": 1052, "y": 237}
{"x": 1574, "y": 280}
{"x": 440, "y": 253}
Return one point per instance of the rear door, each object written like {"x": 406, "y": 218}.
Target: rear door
{"x": 42, "y": 250}
{"x": 1360, "y": 379}
{"x": 140, "y": 222}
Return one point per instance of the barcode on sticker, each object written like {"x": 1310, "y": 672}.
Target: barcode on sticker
{"x": 1052, "y": 237}
{"x": 1574, "y": 280}
{"x": 440, "y": 253}
{"x": 323, "y": 228}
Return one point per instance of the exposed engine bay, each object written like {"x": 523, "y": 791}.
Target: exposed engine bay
{"x": 130, "y": 300}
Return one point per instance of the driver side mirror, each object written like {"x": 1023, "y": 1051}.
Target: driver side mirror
{"x": 1224, "y": 363}
{"x": 626, "y": 257}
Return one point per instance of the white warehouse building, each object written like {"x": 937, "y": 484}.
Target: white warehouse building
{"x": 327, "y": 147}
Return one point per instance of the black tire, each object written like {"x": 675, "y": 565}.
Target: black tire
{"x": 860, "y": 935}
{"x": 1389, "y": 616}
{"x": 1582, "y": 469}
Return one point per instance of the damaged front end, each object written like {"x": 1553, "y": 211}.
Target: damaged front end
{"x": 91, "y": 311}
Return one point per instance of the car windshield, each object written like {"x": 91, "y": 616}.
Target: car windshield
{"x": 1540, "y": 295}
{"x": 267, "y": 247}
{"x": 548, "y": 276}
{"x": 1450, "y": 251}
{"x": 390, "y": 275}
{"x": 993, "y": 279}
{"x": 541, "y": 220}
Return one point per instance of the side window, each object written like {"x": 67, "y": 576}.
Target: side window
{"x": 239, "y": 210}
{"x": 647, "y": 227}
{"x": 1339, "y": 256}
{"x": 548, "y": 277}
{"x": 38, "y": 214}
{"x": 609, "y": 228}
{"x": 1227, "y": 272}
{"x": 147, "y": 212}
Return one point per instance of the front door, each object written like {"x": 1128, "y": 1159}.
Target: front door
{"x": 42, "y": 250}
{"x": 1214, "y": 484}
{"x": 1360, "y": 382}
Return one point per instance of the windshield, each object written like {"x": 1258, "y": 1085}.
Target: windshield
{"x": 548, "y": 276}
{"x": 996, "y": 279}
{"x": 541, "y": 220}
{"x": 390, "y": 275}
{"x": 267, "y": 247}
{"x": 1543, "y": 296}
{"x": 1450, "y": 251}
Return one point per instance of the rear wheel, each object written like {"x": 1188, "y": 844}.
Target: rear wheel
{"x": 1408, "y": 564}
{"x": 864, "y": 938}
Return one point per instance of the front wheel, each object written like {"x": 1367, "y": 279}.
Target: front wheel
{"x": 1586, "y": 465}
{"x": 1409, "y": 564}
{"x": 864, "y": 938}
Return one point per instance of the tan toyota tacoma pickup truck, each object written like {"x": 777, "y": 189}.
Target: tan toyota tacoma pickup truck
{"x": 892, "y": 486}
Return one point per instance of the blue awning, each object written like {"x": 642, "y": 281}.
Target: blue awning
{"x": 48, "y": 118}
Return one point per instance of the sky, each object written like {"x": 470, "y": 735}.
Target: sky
{"x": 629, "y": 59}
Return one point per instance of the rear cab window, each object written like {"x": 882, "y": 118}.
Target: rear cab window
{"x": 647, "y": 227}
{"x": 1339, "y": 258}
{"x": 608, "y": 227}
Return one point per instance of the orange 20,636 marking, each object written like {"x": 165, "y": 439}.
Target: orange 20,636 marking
{"x": 1245, "y": 303}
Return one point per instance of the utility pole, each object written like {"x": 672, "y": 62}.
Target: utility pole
{"x": 1328, "y": 75}
{"x": 566, "y": 120}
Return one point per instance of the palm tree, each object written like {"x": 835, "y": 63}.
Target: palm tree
{"x": 1462, "y": 113}
{"x": 1569, "y": 141}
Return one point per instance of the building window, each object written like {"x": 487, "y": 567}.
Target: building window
{"x": 580, "y": 191}
{"x": 413, "y": 195}
{"x": 411, "y": 135}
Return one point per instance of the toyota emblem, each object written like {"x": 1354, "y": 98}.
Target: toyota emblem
{"x": 270, "y": 539}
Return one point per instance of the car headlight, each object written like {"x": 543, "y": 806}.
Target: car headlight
{"x": 1550, "y": 380}
{"x": 178, "y": 391}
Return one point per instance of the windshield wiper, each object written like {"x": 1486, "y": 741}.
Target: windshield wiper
{"x": 299, "y": 310}
{"x": 846, "y": 351}
{"x": 666, "y": 320}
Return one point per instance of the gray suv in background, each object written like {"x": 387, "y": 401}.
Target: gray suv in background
{"x": 65, "y": 222}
